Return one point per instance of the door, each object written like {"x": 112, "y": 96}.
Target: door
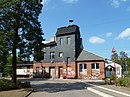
{"x": 52, "y": 72}
{"x": 37, "y": 71}
{"x": 60, "y": 72}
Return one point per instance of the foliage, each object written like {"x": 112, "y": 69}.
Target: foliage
{"x": 20, "y": 26}
{"x": 123, "y": 82}
{"x": 111, "y": 77}
{"x": 123, "y": 60}
{"x": 9, "y": 85}
{"x": 22, "y": 17}
{"x": 3, "y": 52}
{"x": 114, "y": 57}
{"x": 8, "y": 67}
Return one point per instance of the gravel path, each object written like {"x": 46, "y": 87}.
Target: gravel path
{"x": 14, "y": 93}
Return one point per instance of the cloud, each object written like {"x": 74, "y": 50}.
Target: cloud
{"x": 127, "y": 51}
{"x": 108, "y": 34}
{"x": 116, "y": 3}
{"x": 96, "y": 40}
{"x": 45, "y": 2}
{"x": 124, "y": 34}
{"x": 70, "y": 1}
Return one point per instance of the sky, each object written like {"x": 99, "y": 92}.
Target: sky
{"x": 104, "y": 24}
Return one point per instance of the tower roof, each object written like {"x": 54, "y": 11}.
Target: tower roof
{"x": 67, "y": 30}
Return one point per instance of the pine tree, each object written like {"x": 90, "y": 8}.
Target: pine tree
{"x": 19, "y": 22}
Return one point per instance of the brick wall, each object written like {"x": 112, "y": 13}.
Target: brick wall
{"x": 88, "y": 75}
{"x": 69, "y": 70}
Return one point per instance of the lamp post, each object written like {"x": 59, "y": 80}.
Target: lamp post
{"x": 113, "y": 51}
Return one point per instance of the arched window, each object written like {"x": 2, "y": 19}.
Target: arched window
{"x": 82, "y": 67}
{"x": 95, "y": 65}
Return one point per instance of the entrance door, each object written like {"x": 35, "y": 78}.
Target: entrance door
{"x": 60, "y": 72}
{"x": 37, "y": 71}
{"x": 52, "y": 72}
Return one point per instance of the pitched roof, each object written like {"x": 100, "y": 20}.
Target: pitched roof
{"x": 87, "y": 56}
{"x": 66, "y": 30}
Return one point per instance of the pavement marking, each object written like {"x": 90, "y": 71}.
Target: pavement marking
{"x": 110, "y": 90}
{"x": 99, "y": 92}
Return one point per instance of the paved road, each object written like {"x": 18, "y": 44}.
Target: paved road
{"x": 75, "y": 88}
{"x": 60, "y": 88}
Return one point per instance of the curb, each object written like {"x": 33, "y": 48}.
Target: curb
{"x": 30, "y": 91}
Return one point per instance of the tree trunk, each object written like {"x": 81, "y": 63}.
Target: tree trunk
{"x": 14, "y": 60}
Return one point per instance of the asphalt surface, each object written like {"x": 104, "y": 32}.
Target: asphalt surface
{"x": 75, "y": 88}
{"x": 60, "y": 88}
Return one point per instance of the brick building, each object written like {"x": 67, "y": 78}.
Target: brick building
{"x": 24, "y": 70}
{"x": 64, "y": 57}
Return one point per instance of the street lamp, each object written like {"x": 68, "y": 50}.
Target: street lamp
{"x": 113, "y": 51}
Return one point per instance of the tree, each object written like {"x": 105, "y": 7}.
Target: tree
{"x": 122, "y": 58}
{"x": 19, "y": 22}
{"x": 8, "y": 67}
{"x": 114, "y": 57}
{"x": 3, "y": 52}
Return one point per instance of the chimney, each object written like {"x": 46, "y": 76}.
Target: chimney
{"x": 52, "y": 39}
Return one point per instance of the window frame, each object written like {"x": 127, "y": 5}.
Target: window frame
{"x": 44, "y": 55}
{"x": 68, "y": 60}
{"x": 52, "y": 55}
{"x": 95, "y": 66}
{"x": 61, "y": 41}
{"x": 82, "y": 67}
{"x": 68, "y": 40}
{"x": 61, "y": 54}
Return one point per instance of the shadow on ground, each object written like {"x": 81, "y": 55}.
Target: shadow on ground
{"x": 58, "y": 87}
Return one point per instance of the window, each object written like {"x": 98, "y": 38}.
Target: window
{"x": 85, "y": 66}
{"x": 52, "y": 55}
{"x": 61, "y": 41}
{"x": 37, "y": 71}
{"x": 44, "y": 55}
{"x": 82, "y": 67}
{"x": 68, "y": 60}
{"x": 68, "y": 40}
{"x": 60, "y": 54}
{"x": 95, "y": 65}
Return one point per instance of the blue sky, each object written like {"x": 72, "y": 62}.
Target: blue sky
{"x": 104, "y": 24}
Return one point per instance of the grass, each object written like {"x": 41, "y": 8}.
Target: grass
{"x": 6, "y": 84}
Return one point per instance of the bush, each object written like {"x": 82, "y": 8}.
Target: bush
{"x": 111, "y": 77}
{"x": 123, "y": 82}
{"x": 9, "y": 85}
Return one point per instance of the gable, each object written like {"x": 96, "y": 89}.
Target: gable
{"x": 87, "y": 56}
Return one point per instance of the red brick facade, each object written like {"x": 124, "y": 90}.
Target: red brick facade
{"x": 56, "y": 69}
{"x": 60, "y": 70}
{"x": 89, "y": 72}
